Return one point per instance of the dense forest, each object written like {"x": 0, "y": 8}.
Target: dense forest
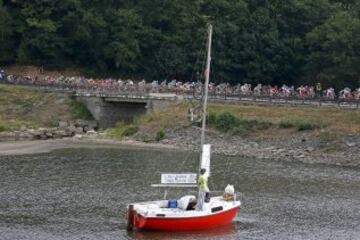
{"x": 255, "y": 41}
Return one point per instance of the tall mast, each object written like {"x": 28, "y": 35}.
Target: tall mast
{"x": 206, "y": 87}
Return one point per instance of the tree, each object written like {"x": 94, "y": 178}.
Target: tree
{"x": 7, "y": 36}
{"x": 123, "y": 51}
{"x": 40, "y": 42}
{"x": 335, "y": 51}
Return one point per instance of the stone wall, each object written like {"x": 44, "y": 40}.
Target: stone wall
{"x": 64, "y": 129}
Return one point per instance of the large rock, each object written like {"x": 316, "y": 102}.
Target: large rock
{"x": 35, "y": 133}
{"x": 63, "y": 124}
{"x": 81, "y": 123}
{"x": 79, "y": 130}
{"x": 25, "y": 136}
{"x": 92, "y": 124}
{"x": 60, "y": 134}
{"x": 49, "y": 134}
{"x": 350, "y": 143}
{"x": 43, "y": 137}
{"x": 8, "y": 136}
{"x": 71, "y": 130}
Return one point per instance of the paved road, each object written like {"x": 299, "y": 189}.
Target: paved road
{"x": 170, "y": 96}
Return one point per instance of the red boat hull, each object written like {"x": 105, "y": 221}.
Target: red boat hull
{"x": 185, "y": 224}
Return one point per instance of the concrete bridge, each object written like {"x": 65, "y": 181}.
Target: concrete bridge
{"x": 108, "y": 108}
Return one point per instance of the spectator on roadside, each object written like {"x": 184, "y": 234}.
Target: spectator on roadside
{"x": 2, "y": 74}
{"x": 318, "y": 89}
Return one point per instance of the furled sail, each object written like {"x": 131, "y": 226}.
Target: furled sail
{"x": 205, "y": 158}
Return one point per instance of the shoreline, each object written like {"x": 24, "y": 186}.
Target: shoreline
{"x": 247, "y": 149}
{"x": 12, "y": 148}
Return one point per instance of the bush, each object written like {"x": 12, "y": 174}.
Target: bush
{"x": 160, "y": 135}
{"x": 211, "y": 119}
{"x": 300, "y": 125}
{"x": 286, "y": 124}
{"x": 2, "y": 128}
{"x": 240, "y": 130}
{"x": 121, "y": 129}
{"x": 328, "y": 136}
{"x": 303, "y": 126}
{"x": 79, "y": 110}
{"x": 130, "y": 130}
{"x": 259, "y": 124}
{"x": 226, "y": 121}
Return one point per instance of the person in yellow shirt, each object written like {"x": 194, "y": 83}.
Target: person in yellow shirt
{"x": 203, "y": 189}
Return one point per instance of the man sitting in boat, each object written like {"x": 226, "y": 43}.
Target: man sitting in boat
{"x": 203, "y": 189}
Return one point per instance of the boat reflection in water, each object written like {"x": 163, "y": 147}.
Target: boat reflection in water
{"x": 224, "y": 232}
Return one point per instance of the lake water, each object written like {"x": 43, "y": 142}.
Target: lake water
{"x": 82, "y": 194}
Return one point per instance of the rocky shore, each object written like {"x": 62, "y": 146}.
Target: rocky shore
{"x": 63, "y": 130}
{"x": 297, "y": 147}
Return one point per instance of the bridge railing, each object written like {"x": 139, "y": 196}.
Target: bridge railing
{"x": 138, "y": 92}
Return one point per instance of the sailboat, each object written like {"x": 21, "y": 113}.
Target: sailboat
{"x": 182, "y": 214}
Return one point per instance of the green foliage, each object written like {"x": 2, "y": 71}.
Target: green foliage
{"x": 130, "y": 130}
{"x": 211, "y": 119}
{"x": 305, "y": 125}
{"x": 299, "y": 125}
{"x": 122, "y": 130}
{"x": 286, "y": 124}
{"x": 334, "y": 46}
{"x": 80, "y": 111}
{"x": 13, "y": 125}
{"x": 160, "y": 135}
{"x": 272, "y": 42}
{"x": 328, "y": 136}
{"x": 7, "y": 36}
{"x": 241, "y": 130}
{"x": 227, "y": 122}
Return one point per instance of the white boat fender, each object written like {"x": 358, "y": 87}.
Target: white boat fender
{"x": 229, "y": 193}
{"x": 229, "y": 189}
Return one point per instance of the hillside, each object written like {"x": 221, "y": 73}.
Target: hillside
{"x": 23, "y": 107}
{"x": 289, "y": 42}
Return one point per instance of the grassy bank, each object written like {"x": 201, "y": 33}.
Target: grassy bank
{"x": 20, "y": 106}
{"x": 252, "y": 121}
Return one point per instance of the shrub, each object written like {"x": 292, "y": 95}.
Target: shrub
{"x": 303, "y": 126}
{"x": 79, "y": 110}
{"x": 259, "y": 124}
{"x": 130, "y": 130}
{"x": 226, "y": 121}
{"x": 211, "y": 119}
{"x": 2, "y": 128}
{"x": 286, "y": 124}
{"x": 160, "y": 135}
{"x": 240, "y": 130}
{"x": 328, "y": 136}
{"x": 121, "y": 129}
